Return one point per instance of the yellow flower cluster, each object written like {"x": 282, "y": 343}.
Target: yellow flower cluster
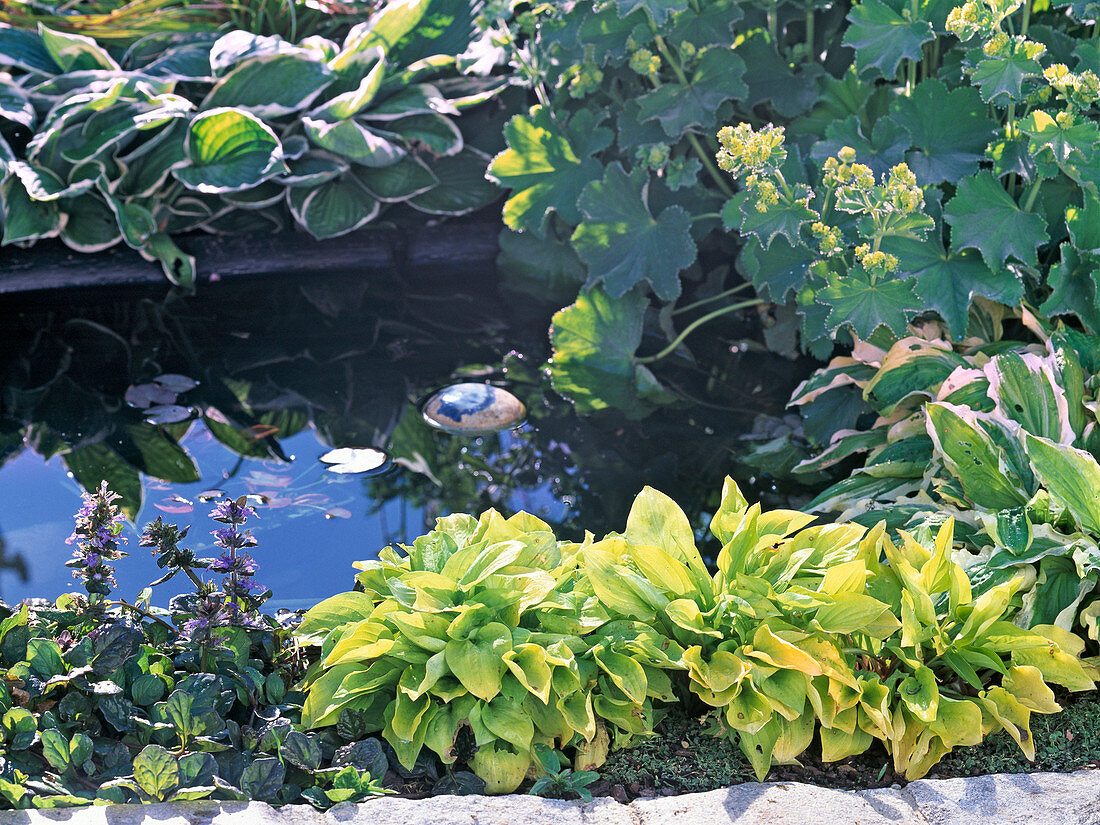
{"x": 980, "y": 17}
{"x": 1081, "y": 91}
{"x": 902, "y": 191}
{"x": 766, "y": 192}
{"x": 584, "y": 79}
{"x": 853, "y": 178}
{"x": 876, "y": 263}
{"x": 828, "y": 239}
{"x": 743, "y": 147}
{"x": 645, "y": 62}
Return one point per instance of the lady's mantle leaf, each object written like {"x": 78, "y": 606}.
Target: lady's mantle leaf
{"x": 983, "y": 216}
{"x": 1003, "y": 77}
{"x": 679, "y": 107}
{"x": 881, "y": 37}
{"x": 623, "y": 244}
{"x": 659, "y": 9}
{"x": 543, "y": 170}
{"x": 594, "y": 342}
{"x": 866, "y": 306}
{"x": 1073, "y": 284}
{"x": 949, "y": 130}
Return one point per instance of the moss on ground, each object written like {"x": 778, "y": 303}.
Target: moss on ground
{"x": 683, "y": 758}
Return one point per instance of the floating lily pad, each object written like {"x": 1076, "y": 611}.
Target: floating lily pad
{"x": 351, "y": 460}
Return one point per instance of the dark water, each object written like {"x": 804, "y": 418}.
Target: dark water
{"x": 288, "y": 370}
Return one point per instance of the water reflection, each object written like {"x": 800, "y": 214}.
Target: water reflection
{"x": 274, "y": 378}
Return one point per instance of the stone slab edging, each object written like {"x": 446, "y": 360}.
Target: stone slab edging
{"x": 1000, "y": 799}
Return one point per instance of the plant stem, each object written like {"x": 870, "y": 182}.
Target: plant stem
{"x": 718, "y": 297}
{"x": 143, "y": 613}
{"x": 706, "y": 216}
{"x": 1027, "y": 18}
{"x": 694, "y": 325}
{"x": 811, "y": 21}
{"x": 1032, "y": 193}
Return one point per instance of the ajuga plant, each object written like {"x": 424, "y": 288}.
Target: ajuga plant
{"x": 237, "y": 133}
{"x": 1002, "y": 435}
{"x": 104, "y": 700}
{"x": 490, "y": 630}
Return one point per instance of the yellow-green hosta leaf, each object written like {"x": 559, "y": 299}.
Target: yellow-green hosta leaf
{"x": 360, "y": 642}
{"x": 656, "y": 520}
{"x": 849, "y": 577}
{"x": 685, "y": 613}
{"x": 786, "y": 691}
{"x": 477, "y": 665}
{"x": 920, "y": 694}
{"x": 423, "y": 677}
{"x": 1026, "y": 684}
{"x": 619, "y": 588}
{"x": 1055, "y": 665}
{"x": 528, "y": 664}
{"x": 990, "y": 607}
{"x": 407, "y": 749}
{"x": 759, "y": 745}
{"x": 731, "y": 511}
{"x": 857, "y": 612}
{"x": 428, "y": 630}
{"x": 837, "y": 744}
{"x": 626, "y": 673}
{"x": 503, "y": 770}
{"x": 506, "y": 719}
{"x": 579, "y": 714}
{"x": 749, "y": 710}
{"x": 408, "y": 712}
{"x": 229, "y": 150}
{"x": 778, "y": 652}
{"x": 1013, "y": 716}
{"x": 795, "y": 736}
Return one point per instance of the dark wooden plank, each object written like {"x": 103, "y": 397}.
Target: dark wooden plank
{"x": 50, "y": 265}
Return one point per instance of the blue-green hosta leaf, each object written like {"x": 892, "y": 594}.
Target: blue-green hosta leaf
{"x": 883, "y": 150}
{"x": 352, "y": 140}
{"x": 659, "y": 10}
{"x": 882, "y": 37}
{"x": 865, "y": 306}
{"x": 971, "y": 456}
{"x": 312, "y": 168}
{"x": 623, "y": 244}
{"x": 25, "y": 50}
{"x": 949, "y": 130}
{"x": 43, "y": 185}
{"x": 334, "y": 208}
{"x": 26, "y": 219}
{"x": 229, "y": 150}
{"x": 543, "y": 171}
{"x": 230, "y": 49}
{"x": 680, "y": 108}
{"x": 271, "y": 85}
{"x": 384, "y": 29}
{"x": 462, "y": 186}
{"x": 436, "y": 133}
{"x": 418, "y": 99}
{"x": 983, "y": 216}
{"x": 186, "y": 62}
{"x": 594, "y": 343}
{"x": 90, "y": 226}
{"x": 1001, "y": 78}
{"x": 350, "y": 103}
{"x": 1071, "y": 476}
{"x": 15, "y": 107}
{"x": 261, "y": 196}
{"x": 145, "y": 169}
{"x": 76, "y": 52}
{"x": 399, "y": 181}
{"x": 134, "y": 221}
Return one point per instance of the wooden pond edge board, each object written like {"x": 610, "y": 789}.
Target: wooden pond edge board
{"x": 51, "y": 266}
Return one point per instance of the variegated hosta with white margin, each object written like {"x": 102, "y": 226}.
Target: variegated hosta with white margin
{"x": 234, "y": 134}
{"x": 1001, "y": 435}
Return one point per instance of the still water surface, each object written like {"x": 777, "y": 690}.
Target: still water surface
{"x": 289, "y": 370}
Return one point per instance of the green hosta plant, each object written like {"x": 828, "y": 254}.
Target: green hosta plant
{"x": 482, "y": 625}
{"x": 1002, "y": 435}
{"x": 232, "y": 134}
{"x": 833, "y": 627}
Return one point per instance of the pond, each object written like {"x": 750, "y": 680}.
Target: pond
{"x": 242, "y": 388}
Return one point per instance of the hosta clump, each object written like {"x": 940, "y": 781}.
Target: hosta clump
{"x": 116, "y": 704}
{"x": 233, "y": 134}
{"x": 487, "y": 626}
{"x": 1003, "y": 436}
{"x": 834, "y": 628}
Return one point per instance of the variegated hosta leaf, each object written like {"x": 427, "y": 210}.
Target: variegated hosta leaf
{"x": 354, "y": 141}
{"x": 313, "y": 168}
{"x": 91, "y": 226}
{"x": 333, "y": 208}
{"x": 75, "y": 52}
{"x": 1025, "y": 389}
{"x": 26, "y": 219}
{"x": 399, "y": 181}
{"x": 271, "y": 85}
{"x": 461, "y": 188}
{"x": 229, "y": 150}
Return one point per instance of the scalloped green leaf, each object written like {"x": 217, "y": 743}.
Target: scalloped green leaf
{"x": 1001, "y": 79}
{"x": 983, "y": 216}
{"x": 679, "y": 107}
{"x": 624, "y": 244}
{"x": 229, "y": 150}
{"x": 543, "y": 171}
{"x": 949, "y": 130}
{"x": 865, "y": 305}
{"x": 882, "y": 36}
{"x": 659, "y": 10}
